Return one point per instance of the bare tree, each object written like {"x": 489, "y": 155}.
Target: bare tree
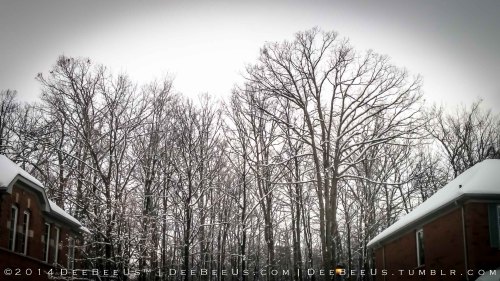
{"x": 148, "y": 148}
{"x": 350, "y": 103}
{"x": 8, "y": 108}
{"x": 466, "y": 137}
{"x": 103, "y": 111}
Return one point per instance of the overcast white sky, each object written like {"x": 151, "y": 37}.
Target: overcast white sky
{"x": 454, "y": 45}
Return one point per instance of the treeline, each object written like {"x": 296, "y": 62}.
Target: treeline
{"x": 320, "y": 149}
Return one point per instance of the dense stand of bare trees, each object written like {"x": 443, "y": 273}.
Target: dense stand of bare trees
{"x": 320, "y": 148}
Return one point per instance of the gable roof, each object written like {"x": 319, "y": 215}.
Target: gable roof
{"x": 481, "y": 179}
{"x": 10, "y": 173}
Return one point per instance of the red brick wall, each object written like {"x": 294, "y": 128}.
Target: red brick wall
{"x": 400, "y": 254}
{"x": 395, "y": 258}
{"x": 481, "y": 254}
{"x": 379, "y": 261}
{"x": 443, "y": 251}
{"x": 27, "y": 200}
{"x": 22, "y": 267}
{"x": 444, "y": 248}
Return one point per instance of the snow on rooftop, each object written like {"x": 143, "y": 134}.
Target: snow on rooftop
{"x": 56, "y": 209}
{"x": 84, "y": 229}
{"x": 482, "y": 178}
{"x": 9, "y": 170}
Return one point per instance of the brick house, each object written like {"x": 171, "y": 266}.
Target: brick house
{"x": 455, "y": 232}
{"x": 35, "y": 234}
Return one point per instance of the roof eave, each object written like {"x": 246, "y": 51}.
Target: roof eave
{"x": 63, "y": 219}
{"x": 377, "y": 243}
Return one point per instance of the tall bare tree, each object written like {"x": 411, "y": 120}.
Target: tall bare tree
{"x": 350, "y": 102}
{"x": 103, "y": 111}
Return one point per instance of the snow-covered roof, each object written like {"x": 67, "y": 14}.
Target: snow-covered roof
{"x": 481, "y": 179}
{"x": 57, "y": 210}
{"x": 9, "y": 171}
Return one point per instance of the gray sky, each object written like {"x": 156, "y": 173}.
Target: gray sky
{"x": 204, "y": 45}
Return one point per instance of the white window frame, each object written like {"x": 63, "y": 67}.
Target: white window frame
{"x": 421, "y": 230}
{"x": 56, "y": 243}
{"x": 47, "y": 242}
{"x": 26, "y": 230}
{"x": 13, "y": 227}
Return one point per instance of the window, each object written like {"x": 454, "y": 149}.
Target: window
{"x": 71, "y": 253}
{"x": 494, "y": 225}
{"x": 13, "y": 226}
{"x": 56, "y": 246}
{"x": 23, "y": 238}
{"x": 46, "y": 239}
{"x": 420, "y": 247}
